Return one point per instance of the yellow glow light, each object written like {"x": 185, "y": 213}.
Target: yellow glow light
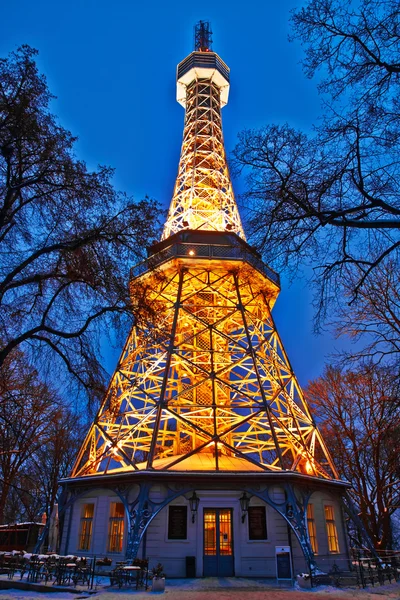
{"x": 309, "y": 467}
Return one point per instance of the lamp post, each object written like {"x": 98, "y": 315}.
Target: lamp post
{"x": 244, "y": 505}
{"x": 194, "y": 501}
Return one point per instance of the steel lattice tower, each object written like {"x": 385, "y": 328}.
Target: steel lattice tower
{"x": 207, "y": 386}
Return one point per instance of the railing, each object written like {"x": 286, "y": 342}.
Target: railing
{"x": 371, "y": 571}
{"x": 206, "y": 251}
{"x": 362, "y": 570}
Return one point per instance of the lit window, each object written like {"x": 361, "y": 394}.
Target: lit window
{"x": 210, "y": 532}
{"x": 116, "y": 527}
{"x": 312, "y": 533}
{"x": 333, "y": 544}
{"x": 85, "y": 532}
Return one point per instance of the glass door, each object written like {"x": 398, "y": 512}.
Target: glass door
{"x": 218, "y": 543}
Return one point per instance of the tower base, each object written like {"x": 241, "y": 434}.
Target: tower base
{"x": 244, "y": 524}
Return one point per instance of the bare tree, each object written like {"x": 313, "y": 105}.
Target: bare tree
{"x": 67, "y": 237}
{"x": 38, "y": 479}
{"x": 374, "y": 316}
{"x": 359, "y": 414}
{"x": 333, "y": 198}
{"x": 27, "y": 412}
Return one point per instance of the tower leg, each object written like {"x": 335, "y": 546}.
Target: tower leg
{"x": 139, "y": 518}
{"x": 296, "y": 515}
{"x": 293, "y": 508}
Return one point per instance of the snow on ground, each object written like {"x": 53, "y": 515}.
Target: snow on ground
{"x": 182, "y": 592}
{"x": 210, "y": 588}
{"x": 27, "y": 595}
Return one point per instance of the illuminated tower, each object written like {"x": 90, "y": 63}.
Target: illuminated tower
{"x": 205, "y": 387}
{"x": 203, "y": 197}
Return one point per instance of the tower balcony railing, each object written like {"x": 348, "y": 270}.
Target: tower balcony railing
{"x": 196, "y": 251}
{"x": 207, "y": 60}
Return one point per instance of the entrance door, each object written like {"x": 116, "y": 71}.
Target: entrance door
{"x": 218, "y": 543}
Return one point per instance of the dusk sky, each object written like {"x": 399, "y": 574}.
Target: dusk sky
{"x": 112, "y": 67}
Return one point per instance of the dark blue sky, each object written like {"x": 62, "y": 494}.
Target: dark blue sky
{"x": 112, "y": 67}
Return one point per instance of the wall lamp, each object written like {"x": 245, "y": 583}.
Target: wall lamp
{"x": 244, "y": 505}
{"x": 194, "y": 502}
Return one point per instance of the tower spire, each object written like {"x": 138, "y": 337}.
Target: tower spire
{"x": 202, "y": 37}
{"x": 203, "y": 197}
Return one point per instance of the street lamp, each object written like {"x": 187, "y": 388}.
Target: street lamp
{"x": 244, "y": 505}
{"x": 194, "y": 501}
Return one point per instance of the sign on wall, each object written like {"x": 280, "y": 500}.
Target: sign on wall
{"x": 283, "y": 562}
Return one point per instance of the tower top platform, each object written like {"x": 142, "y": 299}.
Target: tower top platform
{"x": 202, "y": 65}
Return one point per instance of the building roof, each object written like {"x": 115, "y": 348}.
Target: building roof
{"x": 204, "y": 461}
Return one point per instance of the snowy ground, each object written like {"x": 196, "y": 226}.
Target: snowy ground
{"x": 209, "y": 589}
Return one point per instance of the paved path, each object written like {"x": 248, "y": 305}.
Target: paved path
{"x": 268, "y": 593}
{"x": 272, "y": 594}
{"x": 217, "y": 589}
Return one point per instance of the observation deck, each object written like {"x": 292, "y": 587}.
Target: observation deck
{"x": 199, "y": 246}
{"x": 202, "y": 65}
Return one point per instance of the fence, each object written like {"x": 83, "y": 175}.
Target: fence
{"x": 362, "y": 570}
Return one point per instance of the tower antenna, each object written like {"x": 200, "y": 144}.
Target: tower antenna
{"x": 202, "y": 36}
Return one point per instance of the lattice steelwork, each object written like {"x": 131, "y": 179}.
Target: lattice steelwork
{"x": 210, "y": 379}
{"x": 207, "y": 386}
{"x": 203, "y": 197}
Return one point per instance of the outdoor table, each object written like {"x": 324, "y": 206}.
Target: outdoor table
{"x": 129, "y": 571}
{"x": 14, "y": 563}
{"x": 70, "y": 568}
{"x": 123, "y": 574}
{"x": 35, "y": 570}
{"x": 64, "y": 572}
{"x": 82, "y": 572}
{"x": 47, "y": 570}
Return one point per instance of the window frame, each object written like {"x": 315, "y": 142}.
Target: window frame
{"x": 331, "y": 523}
{"x": 177, "y": 539}
{"x": 83, "y": 521}
{"x": 311, "y": 525}
{"x": 265, "y": 524}
{"x": 120, "y": 534}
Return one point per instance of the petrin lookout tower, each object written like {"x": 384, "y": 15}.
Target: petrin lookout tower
{"x": 204, "y": 435}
